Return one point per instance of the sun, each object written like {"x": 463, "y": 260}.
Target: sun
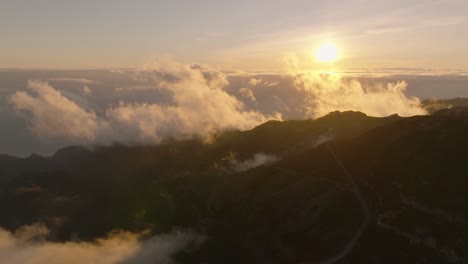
{"x": 327, "y": 52}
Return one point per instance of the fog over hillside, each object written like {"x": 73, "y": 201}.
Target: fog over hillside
{"x": 148, "y": 104}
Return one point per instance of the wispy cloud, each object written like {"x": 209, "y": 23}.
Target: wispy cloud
{"x": 86, "y": 90}
{"x": 259, "y": 159}
{"x": 247, "y": 93}
{"x": 72, "y": 80}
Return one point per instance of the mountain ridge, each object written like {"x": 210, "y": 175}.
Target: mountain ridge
{"x": 299, "y": 209}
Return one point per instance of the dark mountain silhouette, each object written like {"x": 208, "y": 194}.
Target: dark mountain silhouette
{"x": 346, "y": 187}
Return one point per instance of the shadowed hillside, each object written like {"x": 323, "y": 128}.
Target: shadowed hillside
{"x": 301, "y": 206}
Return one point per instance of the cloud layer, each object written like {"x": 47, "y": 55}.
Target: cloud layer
{"x": 28, "y": 245}
{"x": 169, "y": 99}
{"x": 72, "y": 80}
{"x": 199, "y": 106}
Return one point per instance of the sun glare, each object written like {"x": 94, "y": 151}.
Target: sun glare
{"x": 327, "y": 52}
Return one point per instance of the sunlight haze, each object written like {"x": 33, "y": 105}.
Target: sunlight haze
{"x": 247, "y": 35}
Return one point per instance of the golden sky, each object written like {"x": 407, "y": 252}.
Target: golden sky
{"x": 247, "y": 35}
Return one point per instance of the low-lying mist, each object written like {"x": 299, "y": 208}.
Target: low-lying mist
{"x": 258, "y": 159}
{"x": 28, "y": 244}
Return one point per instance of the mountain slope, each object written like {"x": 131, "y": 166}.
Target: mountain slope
{"x": 410, "y": 173}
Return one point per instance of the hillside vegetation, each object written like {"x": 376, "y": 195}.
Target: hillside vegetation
{"x": 297, "y": 205}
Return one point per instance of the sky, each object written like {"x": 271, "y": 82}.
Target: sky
{"x": 137, "y": 72}
{"x": 233, "y": 35}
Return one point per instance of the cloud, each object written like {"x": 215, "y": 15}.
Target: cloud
{"x": 247, "y": 93}
{"x": 254, "y": 81}
{"x": 324, "y": 139}
{"x": 257, "y": 160}
{"x": 160, "y": 249}
{"x": 72, "y": 80}
{"x": 327, "y": 92}
{"x": 134, "y": 123}
{"x": 86, "y": 90}
{"x": 199, "y": 106}
{"x": 52, "y": 115}
{"x": 29, "y": 245}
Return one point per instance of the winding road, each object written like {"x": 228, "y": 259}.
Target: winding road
{"x": 364, "y": 206}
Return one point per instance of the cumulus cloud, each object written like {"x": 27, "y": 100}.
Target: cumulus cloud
{"x": 29, "y": 245}
{"x": 327, "y": 92}
{"x": 247, "y": 93}
{"x": 52, "y": 115}
{"x": 199, "y": 106}
{"x": 257, "y": 160}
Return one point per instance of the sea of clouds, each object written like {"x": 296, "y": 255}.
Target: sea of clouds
{"x": 41, "y": 111}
